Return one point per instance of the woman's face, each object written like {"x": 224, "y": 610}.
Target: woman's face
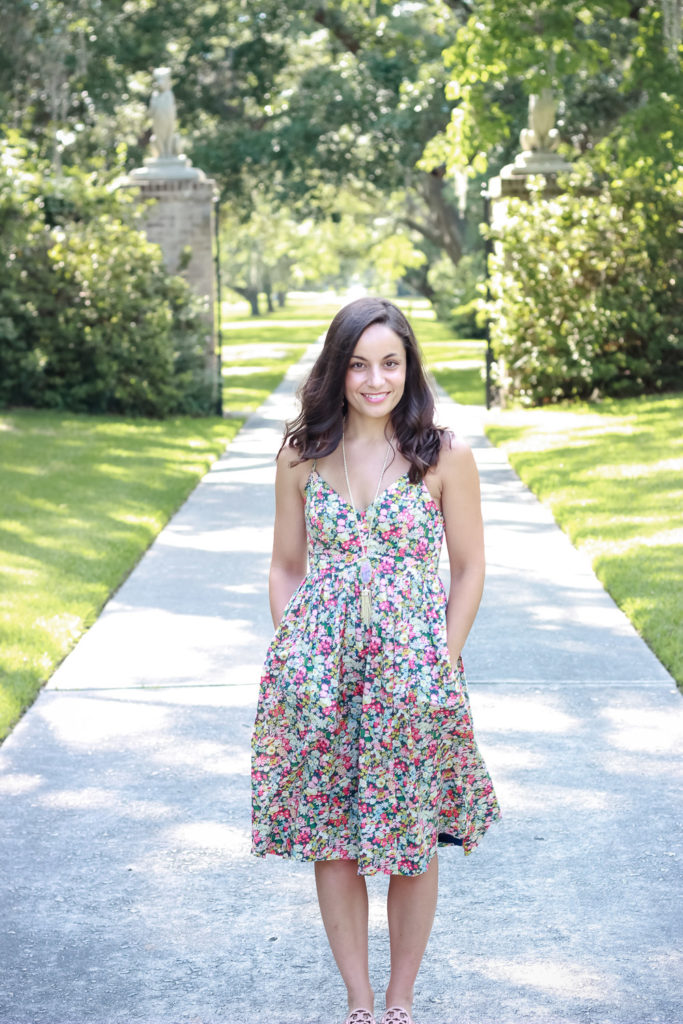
{"x": 376, "y": 374}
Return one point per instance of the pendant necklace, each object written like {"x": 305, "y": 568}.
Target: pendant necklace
{"x": 365, "y": 564}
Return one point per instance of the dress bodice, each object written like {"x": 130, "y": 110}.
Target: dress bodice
{"x": 402, "y": 530}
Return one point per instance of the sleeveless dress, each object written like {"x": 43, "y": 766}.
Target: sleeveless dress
{"x": 363, "y": 746}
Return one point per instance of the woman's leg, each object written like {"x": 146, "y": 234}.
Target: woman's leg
{"x": 343, "y": 899}
{"x": 411, "y": 905}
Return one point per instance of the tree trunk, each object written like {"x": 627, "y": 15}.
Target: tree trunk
{"x": 441, "y": 225}
{"x": 250, "y": 294}
{"x": 416, "y": 278}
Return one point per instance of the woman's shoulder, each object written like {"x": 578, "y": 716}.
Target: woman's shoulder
{"x": 454, "y": 464}
{"x": 457, "y": 471}
{"x": 454, "y": 449}
{"x": 291, "y": 468}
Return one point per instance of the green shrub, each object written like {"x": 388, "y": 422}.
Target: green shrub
{"x": 89, "y": 319}
{"x": 587, "y": 294}
{"x": 467, "y": 320}
{"x": 456, "y": 293}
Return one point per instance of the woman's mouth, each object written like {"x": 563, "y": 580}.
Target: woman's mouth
{"x": 375, "y": 398}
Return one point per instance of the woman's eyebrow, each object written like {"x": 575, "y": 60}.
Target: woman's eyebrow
{"x": 390, "y": 355}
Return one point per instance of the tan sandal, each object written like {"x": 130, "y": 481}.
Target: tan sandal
{"x": 396, "y": 1015}
{"x": 360, "y": 1016}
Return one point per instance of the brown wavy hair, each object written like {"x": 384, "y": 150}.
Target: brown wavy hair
{"x": 317, "y": 430}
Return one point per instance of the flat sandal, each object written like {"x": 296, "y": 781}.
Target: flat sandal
{"x": 360, "y": 1016}
{"x": 396, "y": 1015}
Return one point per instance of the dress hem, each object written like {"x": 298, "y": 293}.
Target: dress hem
{"x": 445, "y": 840}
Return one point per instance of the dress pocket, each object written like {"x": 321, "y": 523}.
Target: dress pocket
{"x": 423, "y": 674}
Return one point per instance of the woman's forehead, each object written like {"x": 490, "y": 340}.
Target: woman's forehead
{"x": 378, "y": 341}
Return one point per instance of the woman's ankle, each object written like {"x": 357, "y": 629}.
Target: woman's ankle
{"x": 397, "y": 996}
{"x": 361, "y": 997}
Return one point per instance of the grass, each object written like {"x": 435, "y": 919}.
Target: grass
{"x": 456, "y": 363}
{"x": 611, "y": 473}
{"x": 255, "y": 359}
{"x": 612, "y": 476}
{"x": 84, "y": 496}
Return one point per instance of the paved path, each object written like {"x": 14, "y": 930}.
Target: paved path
{"x": 127, "y": 891}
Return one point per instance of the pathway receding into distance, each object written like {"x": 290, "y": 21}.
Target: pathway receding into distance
{"x": 127, "y": 889}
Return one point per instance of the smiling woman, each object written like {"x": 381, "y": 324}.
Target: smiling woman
{"x": 376, "y": 377}
{"x": 364, "y": 756}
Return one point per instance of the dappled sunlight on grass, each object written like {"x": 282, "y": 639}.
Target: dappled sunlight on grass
{"x": 83, "y": 497}
{"x": 256, "y": 358}
{"x": 612, "y": 475}
{"x": 456, "y": 363}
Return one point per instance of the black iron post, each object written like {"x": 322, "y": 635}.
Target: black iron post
{"x": 219, "y": 314}
{"x": 488, "y": 250}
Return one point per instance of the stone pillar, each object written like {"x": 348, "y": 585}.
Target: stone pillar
{"x": 181, "y": 222}
{"x": 538, "y": 156}
{"x": 181, "y": 219}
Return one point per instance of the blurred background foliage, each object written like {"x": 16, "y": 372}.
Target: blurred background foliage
{"x": 350, "y": 141}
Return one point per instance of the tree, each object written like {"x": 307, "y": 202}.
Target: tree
{"x": 278, "y": 249}
{"x": 588, "y": 288}
{"x": 605, "y": 61}
{"x": 291, "y": 98}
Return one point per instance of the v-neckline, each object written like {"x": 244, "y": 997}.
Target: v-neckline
{"x": 345, "y": 501}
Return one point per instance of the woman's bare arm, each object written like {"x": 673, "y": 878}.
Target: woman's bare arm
{"x": 461, "y": 505}
{"x": 288, "y": 562}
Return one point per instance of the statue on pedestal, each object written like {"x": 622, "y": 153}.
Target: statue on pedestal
{"x": 168, "y": 161}
{"x": 541, "y": 135}
{"x": 164, "y": 141}
{"x": 539, "y": 141}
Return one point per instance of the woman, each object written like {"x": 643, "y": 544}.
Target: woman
{"x": 364, "y": 758}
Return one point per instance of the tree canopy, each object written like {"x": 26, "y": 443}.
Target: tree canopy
{"x": 307, "y": 106}
{"x": 614, "y": 65}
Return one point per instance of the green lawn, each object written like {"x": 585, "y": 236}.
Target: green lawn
{"x": 456, "y": 363}
{"x": 612, "y": 473}
{"x": 84, "y": 496}
{"x": 256, "y": 358}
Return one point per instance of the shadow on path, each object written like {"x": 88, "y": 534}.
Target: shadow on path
{"x": 128, "y": 890}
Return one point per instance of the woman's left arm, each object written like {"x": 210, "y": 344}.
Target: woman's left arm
{"x": 461, "y": 506}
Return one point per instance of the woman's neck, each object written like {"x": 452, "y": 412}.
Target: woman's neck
{"x": 365, "y": 429}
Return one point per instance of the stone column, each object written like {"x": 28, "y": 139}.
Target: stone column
{"x": 181, "y": 222}
{"x": 538, "y": 141}
{"x": 181, "y": 219}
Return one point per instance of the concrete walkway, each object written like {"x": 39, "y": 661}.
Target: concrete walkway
{"x": 127, "y": 891}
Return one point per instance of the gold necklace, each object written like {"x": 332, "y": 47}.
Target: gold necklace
{"x": 365, "y": 564}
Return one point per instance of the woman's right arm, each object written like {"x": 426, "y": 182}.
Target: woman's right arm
{"x": 288, "y": 564}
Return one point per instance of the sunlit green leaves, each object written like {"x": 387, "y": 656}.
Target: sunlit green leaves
{"x": 585, "y": 54}
{"x": 588, "y": 294}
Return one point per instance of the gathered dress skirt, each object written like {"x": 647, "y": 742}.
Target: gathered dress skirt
{"x": 363, "y": 746}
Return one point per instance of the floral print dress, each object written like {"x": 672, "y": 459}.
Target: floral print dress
{"x": 363, "y": 747}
